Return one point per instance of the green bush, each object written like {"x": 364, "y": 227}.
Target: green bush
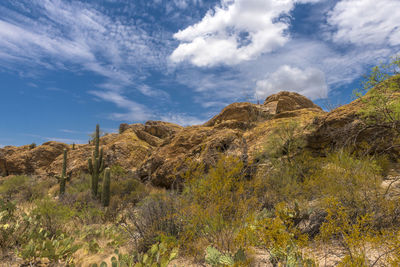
{"x": 354, "y": 182}
{"x": 52, "y": 216}
{"x": 13, "y": 185}
{"x": 153, "y": 216}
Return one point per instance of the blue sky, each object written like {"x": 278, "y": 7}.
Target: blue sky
{"x": 67, "y": 65}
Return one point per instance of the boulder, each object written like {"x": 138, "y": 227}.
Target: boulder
{"x": 287, "y": 101}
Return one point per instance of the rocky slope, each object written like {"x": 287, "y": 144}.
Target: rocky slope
{"x": 158, "y": 151}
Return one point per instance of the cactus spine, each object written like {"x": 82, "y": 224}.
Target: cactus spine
{"x": 96, "y": 163}
{"x": 105, "y": 198}
{"x": 64, "y": 178}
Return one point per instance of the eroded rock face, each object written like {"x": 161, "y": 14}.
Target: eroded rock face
{"x": 287, "y": 101}
{"x": 240, "y": 116}
{"x": 241, "y": 129}
{"x": 342, "y": 127}
{"x": 159, "y": 151}
{"x": 126, "y": 150}
{"x": 27, "y": 160}
{"x": 161, "y": 129}
{"x": 196, "y": 143}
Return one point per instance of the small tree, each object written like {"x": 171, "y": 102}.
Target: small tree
{"x": 380, "y": 95}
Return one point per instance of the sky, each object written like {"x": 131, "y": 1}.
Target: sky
{"x": 66, "y": 65}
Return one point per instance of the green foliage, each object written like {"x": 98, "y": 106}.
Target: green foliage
{"x": 216, "y": 258}
{"x": 38, "y": 234}
{"x": 361, "y": 243}
{"x": 32, "y": 146}
{"x": 54, "y": 248}
{"x": 96, "y": 163}
{"x": 105, "y": 198}
{"x": 279, "y": 235}
{"x": 285, "y": 141}
{"x": 214, "y": 207}
{"x": 63, "y": 178}
{"x": 288, "y": 165}
{"x": 155, "y": 215}
{"x": 158, "y": 256}
{"x": 8, "y": 225}
{"x": 354, "y": 182}
{"x": 127, "y": 189}
{"x": 23, "y": 188}
{"x": 52, "y": 216}
{"x": 14, "y": 185}
{"x": 381, "y": 101}
{"x": 118, "y": 171}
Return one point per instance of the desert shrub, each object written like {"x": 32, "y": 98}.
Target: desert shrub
{"x": 214, "y": 207}
{"x": 153, "y": 216}
{"x": 354, "y": 182}
{"x": 381, "y": 104}
{"x": 380, "y": 110}
{"x": 8, "y": 224}
{"x": 279, "y": 235}
{"x": 288, "y": 165}
{"x": 52, "y": 216}
{"x": 285, "y": 141}
{"x": 89, "y": 213}
{"x": 14, "y": 185}
{"x": 283, "y": 181}
{"x": 360, "y": 243}
{"x": 129, "y": 190}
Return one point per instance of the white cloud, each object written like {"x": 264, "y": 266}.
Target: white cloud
{"x": 366, "y": 22}
{"x": 234, "y": 32}
{"x": 136, "y": 111}
{"x": 308, "y": 82}
{"x": 76, "y": 36}
{"x": 182, "y": 119}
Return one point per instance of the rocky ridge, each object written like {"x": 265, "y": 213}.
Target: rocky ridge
{"x": 157, "y": 151}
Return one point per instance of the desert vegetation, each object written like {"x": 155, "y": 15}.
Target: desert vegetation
{"x": 289, "y": 205}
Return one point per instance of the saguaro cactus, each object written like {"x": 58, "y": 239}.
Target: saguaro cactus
{"x": 105, "y": 197}
{"x": 64, "y": 178}
{"x": 96, "y": 163}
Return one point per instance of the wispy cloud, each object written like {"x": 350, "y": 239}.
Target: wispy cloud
{"x": 136, "y": 111}
{"x": 363, "y": 22}
{"x": 182, "y": 119}
{"x": 74, "y": 131}
{"x": 57, "y": 139}
{"x": 76, "y": 36}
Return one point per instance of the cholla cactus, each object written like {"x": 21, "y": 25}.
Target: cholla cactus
{"x": 64, "y": 178}
{"x": 96, "y": 163}
{"x": 105, "y": 197}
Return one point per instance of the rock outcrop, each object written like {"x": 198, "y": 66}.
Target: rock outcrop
{"x": 158, "y": 151}
{"x": 287, "y": 101}
{"x": 240, "y": 129}
{"x": 29, "y": 160}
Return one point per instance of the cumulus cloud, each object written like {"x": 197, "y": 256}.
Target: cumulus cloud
{"x": 366, "y": 22}
{"x": 233, "y": 32}
{"x": 308, "y": 82}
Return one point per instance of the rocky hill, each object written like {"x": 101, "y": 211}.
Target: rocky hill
{"x": 157, "y": 151}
